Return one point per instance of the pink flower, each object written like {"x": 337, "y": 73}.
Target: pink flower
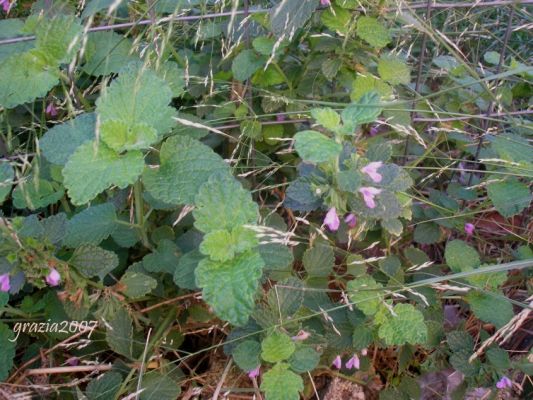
{"x": 332, "y": 219}
{"x": 469, "y": 229}
{"x": 353, "y": 362}
{"x": 351, "y": 220}
{"x": 364, "y": 352}
{"x": 254, "y": 373}
{"x": 53, "y": 278}
{"x": 6, "y": 5}
{"x": 325, "y": 2}
{"x": 50, "y": 110}
{"x": 372, "y": 171}
{"x": 280, "y": 117}
{"x": 337, "y": 362}
{"x": 302, "y": 335}
{"x": 368, "y": 195}
{"x": 4, "y": 283}
{"x": 373, "y": 131}
{"x": 72, "y": 361}
{"x": 504, "y": 383}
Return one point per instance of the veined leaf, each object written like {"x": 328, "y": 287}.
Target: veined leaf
{"x": 315, "y": 147}
{"x": 373, "y": 32}
{"x": 94, "y": 261}
{"x": 91, "y": 225}
{"x": 407, "y": 326}
{"x": 277, "y": 347}
{"x": 289, "y": 15}
{"x": 280, "y": 383}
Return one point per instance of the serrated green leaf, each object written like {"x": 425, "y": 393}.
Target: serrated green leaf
{"x": 104, "y": 386}
{"x": 509, "y": 197}
{"x": 280, "y": 383}
{"x": 366, "y": 110}
{"x": 91, "y": 226}
{"x": 10, "y": 29}
{"x": 373, "y": 32}
{"x": 93, "y": 261}
{"x": 156, "y": 386}
{"x": 304, "y": 359}
{"x": 61, "y": 141}
{"x": 364, "y": 293}
{"x": 222, "y": 245}
{"x": 91, "y": 170}
{"x": 134, "y": 110}
{"x": 222, "y": 203}
{"x": 369, "y": 83}
{"x": 459, "y": 360}
{"x": 252, "y": 129}
{"x": 186, "y": 164}
{"x": 278, "y": 260}
{"x": 59, "y": 38}
{"x": 460, "y": 256}
{"x": 135, "y": 284}
{"x": 495, "y": 310}
{"x": 277, "y": 347}
{"x": 337, "y": 19}
{"x": 289, "y": 15}
{"x": 393, "y": 226}
{"x": 184, "y": 275}
{"x": 246, "y": 355}
{"x": 174, "y": 76}
{"x": 245, "y": 64}
{"x": 164, "y": 259}
{"x": 230, "y": 287}
{"x": 362, "y": 337}
{"x": 315, "y": 147}
{"x": 407, "y": 326}
{"x": 427, "y": 233}
{"x": 319, "y": 260}
{"x": 331, "y": 67}
{"x": 301, "y": 197}
{"x": 394, "y": 71}
{"x": 107, "y": 53}
{"x": 8, "y": 346}
{"x": 119, "y": 335}
{"x": 286, "y": 297}
{"x": 327, "y": 117}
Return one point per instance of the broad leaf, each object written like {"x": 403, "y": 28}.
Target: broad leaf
{"x": 245, "y": 64}
{"x": 319, "y": 260}
{"x": 246, "y": 355}
{"x": 91, "y": 226}
{"x": 366, "y": 110}
{"x": 8, "y": 346}
{"x": 93, "y": 261}
{"x": 509, "y": 197}
{"x": 135, "y": 284}
{"x": 289, "y": 15}
{"x": 277, "y": 347}
{"x": 365, "y": 293}
{"x": 460, "y": 256}
{"x": 7, "y": 175}
{"x": 104, "y": 386}
{"x": 280, "y": 383}
{"x": 494, "y": 309}
{"x": 106, "y": 53}
{"x": 119, "y": 333}
{"x": 394, "y": 71}
{"x": 315, "y": 147}
{"x": 407, "y": 326}
{"x": 373, "y": 32}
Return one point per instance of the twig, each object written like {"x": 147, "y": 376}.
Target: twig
{"x": 169, "y": 301}
{"x": 69, "y": 370}
{"x": 222, "y": 379}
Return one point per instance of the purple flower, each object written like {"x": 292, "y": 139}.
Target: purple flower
{"x": 337, "y": 362}
{"x": 50, "y": 110}
{"x": 372, "y": 171}
{"x": 351, "y": 220}
{"x": 504, "y": 383}
{"x": 4, "y": 283}
{"x": 469, "y": 229}
{"x": 368, "y": 195}
{"x": 254, "y": 373}
{"x": 280, "y": 117}
{"x": 332, "y": 219}
{"x": 364, "y": 352}
{"x": 6, "y": 5}
{"x": 325, "y": 2}
{"x": 73, "y": 361}
{"x": 302, "y": 335}
{"x": 53, "y": 278}
{"x": 353, "y": 362}
{"x": 373, "y": 131}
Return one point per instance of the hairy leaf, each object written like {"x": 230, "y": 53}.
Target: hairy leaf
{"x": 91, "y": 226}
{"x": 315, "y": 147}
{"x": 280, "y": 383}
{"x": 407, "y": 326}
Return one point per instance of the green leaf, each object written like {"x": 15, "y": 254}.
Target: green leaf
{"x": 327, "y": 117}
{"x": 119, "y": 333}
{"x": 36, "y": 193}
{"x": 134, "y": 110}
{"x": 364, "y": 293}
{"x": 9, "y": 29}
{"x": 369, "y": 83}
{"x": 8, "y": 345}
{"x": 93, "y": 261}
{"x": 222, "y": 203}
{"x": 91, "y": 226}
{"x": 135, "y": 284}
{"x": 252, "y": 129}
{"x": 289, "y": 15}
{"x": 286, "y": 297}
{"x": 280, "y": 383}
{"x": 460, "y": 256}
{"x": 61, "y": 141}
{"x": 230, "y": 287}
{"x": 459, "y": 361}
{"x": 407, "y": 326}
{"x": 509, "y": 197}
{"x": 222, "y": 245}
{"x": 104, "y": 386}
{"x": 394, "y": 71}
{"x": 58, "y": 38}
{"x": 174, "y": 76}
{"x": 156, "y": 386}
{"x": 92, "y": 169}
{"x": 184, "y": 273}
{"x": 245, "y": 64}
{"x": 366, "y": 110}
{"x": 499, "y": 358}
{"x": 337, "y": 19}
{"x": 278, "y": 259}
{"x": 390, "y": 265}
{"x": 246, "y": 355}
{"x": 7, "y": 176}
{"x": 304, "y": 359}
{"x": 277, "y": 347}
{"x": 393, "y": 226}
{"x": 427, "y": 233}
{"x": 186, "y": 164}
{"x": 373, "y": 32}
{"x": 30, "y": 77}
{"x": 301, "y": 197}
{"x": 362, "y": 337}
{"x": 492, "y": 57}
{"x": 315, "y": 147}
{"x": 496, "y": 310}
{"x": 107, "y": 53}
{"x": 164, "y": 259}
{"x": 319, "y": 260}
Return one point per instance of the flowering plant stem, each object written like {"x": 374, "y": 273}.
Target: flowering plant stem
{"x": 139, "y": 212}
